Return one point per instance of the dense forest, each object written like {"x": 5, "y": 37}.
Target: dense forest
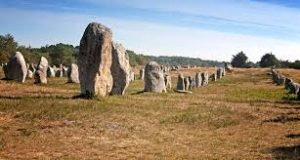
{"x": 67, "y": 54}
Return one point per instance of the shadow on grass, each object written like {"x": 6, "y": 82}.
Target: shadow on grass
{"x": 137, "y": 93}
{"x": 24, "y": 97}
{"x": 285, "y": 118}
{"x": 292, "y": 136}
{"x": 286, "y": 152}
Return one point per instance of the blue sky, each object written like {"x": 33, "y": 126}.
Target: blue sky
{"x": 208, "y": 29}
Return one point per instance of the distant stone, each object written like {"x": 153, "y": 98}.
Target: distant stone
{"x": 168, "y": 81}
{"x": 228, "y": 67}
{"x": 154, "y": 78}
{"x": 198, "y": 80}
{"x": 16, "y": 68}
{"x": 65, "y": 71}
{"x": 30, "y": 74}
{"x": 40, "y": 75}
{"x": 95, "y": 60}
{"x": 186, "y": 83}
{"x": 120, "y": 69}
{"x": 205, "y": 78}
{"x": 219, "y": 73}
{"x": 59, "y": 71}
{"x": 73, "y": 76}
{"x": 192, "y": 82}
{"x": 224, "y": 72}
{"x": 142, "y": 74}
{"x": 214, "y": 77}
{"x": 180, "y": 83}
{"x": 50, "y": 72}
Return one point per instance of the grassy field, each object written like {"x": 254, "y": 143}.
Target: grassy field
{"x": 243, "y": 116}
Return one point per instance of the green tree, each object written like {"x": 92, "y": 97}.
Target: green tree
{"x": 240, "y": 60}
{"x": 7, "y": 47}
{"x": 269, "y": 60}
{"x": 61, "y": 54}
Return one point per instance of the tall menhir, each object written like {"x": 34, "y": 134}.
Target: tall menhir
{"x": 95, "y": 60}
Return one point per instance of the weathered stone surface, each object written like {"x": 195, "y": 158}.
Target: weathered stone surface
{"x": 213, "y": 77}
{"x": 95, "y": 60}
{"x": 180, "y": 83}
{"x": 142, "y": 74}
{"x": 205, "y": 78}
{"x": 168, "y": 81}
{"x": 16, "y": 68}
{"x": 223, "y": 72}
{"x": 219, "y": 73}
{"x": 30, "y": 74}
{"x": 65, "y": 71}
{"x": 73, "y": 76}
{"x": 132, "y": 76}
{"x": 192, "y": 82}
{"x": 154, "y": 78}
{"x": 59, "y": 71}
{"x": 40, "y": 75}
{"x": 198, "y": 80}
{"x": 50, "y": 72}
{"x": 186, "y": 83}
{"x": 120, "y": 69}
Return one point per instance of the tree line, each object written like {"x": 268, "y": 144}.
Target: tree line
{"x": 240, "y": 60}
{"x": 67, "y": 54}
{"x": 55, "y": 54}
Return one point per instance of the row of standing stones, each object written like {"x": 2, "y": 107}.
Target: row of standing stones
{"x": 17, "y": 69}
{"x": 103, "y": 68}
{"x": 289, "y": 84}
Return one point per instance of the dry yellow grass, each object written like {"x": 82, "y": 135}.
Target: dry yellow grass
{"x": 242, "y": 116}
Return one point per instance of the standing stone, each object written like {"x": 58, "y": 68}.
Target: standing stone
{"x": 198, "y": 80}
{"x": 223, "y": 71}
{"x": 65, "y": 71}
{"x": 228, "y": 67}
{"x": 73, "y": 76}
{"x": 50, "y": 72}
{"x": 142, "y": 74}
{"x": 120, "y": 69}
{"x": 180, "y": 83}
{"x": 16, "y": 68}
{"x": 168, "y": 81}
{"x": 186, "y": 83}
{"x": 192, "y": 82}
{"x": 205, "y": 78}
{"x": 154, "y": 78}
{"x": 32, "y": 67}
{"x": 214, "y": 77}
{"x": 59, "y": 71}
{"x": 40, "y": 75}
{"x": 95, "y": 60}
{"x": 219, "y": 73}
{"x": 30, "y": 74}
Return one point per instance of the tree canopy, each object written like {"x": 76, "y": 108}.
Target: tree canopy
{"x": 240, "y": 60}
{"x": 7, "y": 47}
{"x": 269, "y": 60}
